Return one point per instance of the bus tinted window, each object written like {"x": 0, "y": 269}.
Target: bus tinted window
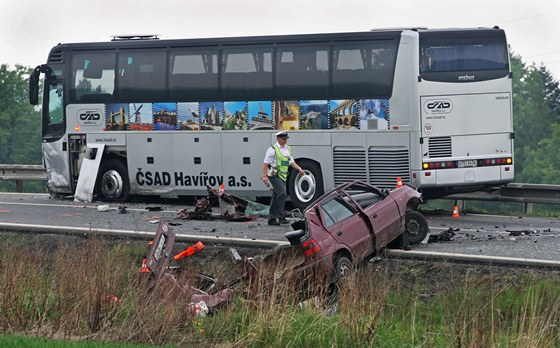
{"x": 141, "y": 75}
{"x": 93, "y": 77}
{"x": 364, "y": 69}
{"x": 463, "y": 59}
{"x": 445, "y": 56}
{"x": 247, "y": 72}
{"x": 193, "y": 74}
{"x": 302, "y": 72}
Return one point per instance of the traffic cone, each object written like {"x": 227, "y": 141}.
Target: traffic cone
{"x": 189, "y": 251}
{"x": 144, "y": 268}
{"x": 455, "y": 212}
{"x": 399, "y": 182}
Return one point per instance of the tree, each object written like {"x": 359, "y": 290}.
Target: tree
{"x": 532, "y": 117}
{"x": 552, "y": 91}
{"x": 20, "y": 123}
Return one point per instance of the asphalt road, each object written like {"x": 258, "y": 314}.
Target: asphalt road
{"x": 504, "y": 236}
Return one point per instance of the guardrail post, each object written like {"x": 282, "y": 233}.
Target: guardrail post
{"x": 528, "y": 208}
{"x": 19, "y": 186}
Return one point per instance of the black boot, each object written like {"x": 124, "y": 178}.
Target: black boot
{"x": 273, "y": 222}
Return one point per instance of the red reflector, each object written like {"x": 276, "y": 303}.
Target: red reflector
{"x": 428, "y": 173}
{"x": 507, "y": 169}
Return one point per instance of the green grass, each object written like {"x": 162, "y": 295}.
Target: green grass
{"x": 53, "y": 288}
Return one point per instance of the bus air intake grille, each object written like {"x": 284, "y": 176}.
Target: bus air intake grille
{"x": 349, "y": 164}
{"x": 55, "y": 57}
{"x": 439, "y": 147}
{"x": 386, "y": 164}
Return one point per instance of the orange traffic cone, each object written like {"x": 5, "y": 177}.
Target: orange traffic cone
{"x": 399, "y": 182}
{"x": 189, "y": 251}
{"x": 455, "y": 212}
{"x": 144, "y": 268}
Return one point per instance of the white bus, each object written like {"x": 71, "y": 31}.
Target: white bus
{"x": 431, "y": 106}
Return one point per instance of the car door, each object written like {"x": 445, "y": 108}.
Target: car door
{"x": 347, "y": 226}
{"x": 385, "y": 219}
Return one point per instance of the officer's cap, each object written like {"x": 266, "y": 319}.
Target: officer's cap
{"x": 282, "y": 134}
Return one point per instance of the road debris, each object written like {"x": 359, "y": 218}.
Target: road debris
{"x": 444, "y": 236}
{"x": 517, "y": 233}
{"x": 103, "y": 208}
{"x": 232, "y": 208}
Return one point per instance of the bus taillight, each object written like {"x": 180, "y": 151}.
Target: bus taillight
{"x": 468, "y": 163}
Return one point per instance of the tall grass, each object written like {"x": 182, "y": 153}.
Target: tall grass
{"x": 91, "y": 290}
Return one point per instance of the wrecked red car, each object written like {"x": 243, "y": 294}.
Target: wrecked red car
{"x": 353, "y": 222}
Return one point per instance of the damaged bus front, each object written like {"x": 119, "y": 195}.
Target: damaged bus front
{"x": 54, "y": 133}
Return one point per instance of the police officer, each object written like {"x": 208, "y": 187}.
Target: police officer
{"x": 277, "y": 161}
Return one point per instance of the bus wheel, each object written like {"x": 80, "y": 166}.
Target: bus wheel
{"x": 416, "y": 226}
{"x": 113, "y": 183}
{"x": 304, "y": 189}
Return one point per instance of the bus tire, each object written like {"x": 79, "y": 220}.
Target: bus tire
{"x": 416, "y": 226}
{"x": 303, "y": 190}
{"x": 113, "y": 183}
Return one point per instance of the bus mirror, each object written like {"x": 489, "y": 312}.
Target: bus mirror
{"x": 34, "y": 86}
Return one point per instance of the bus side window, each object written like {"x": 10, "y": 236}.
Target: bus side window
{"x": 94, "y": 77}
{"x": 247, "y": 71}
{"x": 302, "y": 71}
{"x": 141, "y": 75}
{"x": 194, "y": 74}
{"x": 364, "y": 69}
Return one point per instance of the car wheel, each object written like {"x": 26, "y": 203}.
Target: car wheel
{"x": 343, "y": 268}
{"x": 304, "y": 189}
{"x": 113, "y": 183}
{"x": 416, "y": 226}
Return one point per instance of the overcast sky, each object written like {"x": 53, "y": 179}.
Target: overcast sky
{"x": 29, "y": 28}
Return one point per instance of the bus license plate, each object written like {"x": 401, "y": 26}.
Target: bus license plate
{"x": 466, "y": 163}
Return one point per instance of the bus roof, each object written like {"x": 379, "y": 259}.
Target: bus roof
{"x": 151, "y": 41}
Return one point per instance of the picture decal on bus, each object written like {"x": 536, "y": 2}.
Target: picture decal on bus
{"x": 344, "y": 114}
{"x": 211, "y": 116}
{"x": 314, "y": 114}
{"x": 260, "y": 115}
{"x": 286, "y": 114}
{"x": 235, "y": 115}
{"x": 116, "y": 116}
{"x": 140, "y": 117}
{"x": 165, "y": 116}
{"x": 188, "y": 116}
{"x": 374, "y": 114}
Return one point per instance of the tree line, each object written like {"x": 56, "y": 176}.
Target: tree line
{"x": 536, "y": 119}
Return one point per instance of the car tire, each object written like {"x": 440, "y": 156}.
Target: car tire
{"x": 113, "y": 183}
{"x": 343, "y": 268}
{"x": 416, "y": 226}
{"x": 303, "y": 190}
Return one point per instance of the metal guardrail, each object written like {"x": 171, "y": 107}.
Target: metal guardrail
{"x": 21, "y": 173}
{"x": 513, "y": 192}
{"x": 528, "y": 194}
